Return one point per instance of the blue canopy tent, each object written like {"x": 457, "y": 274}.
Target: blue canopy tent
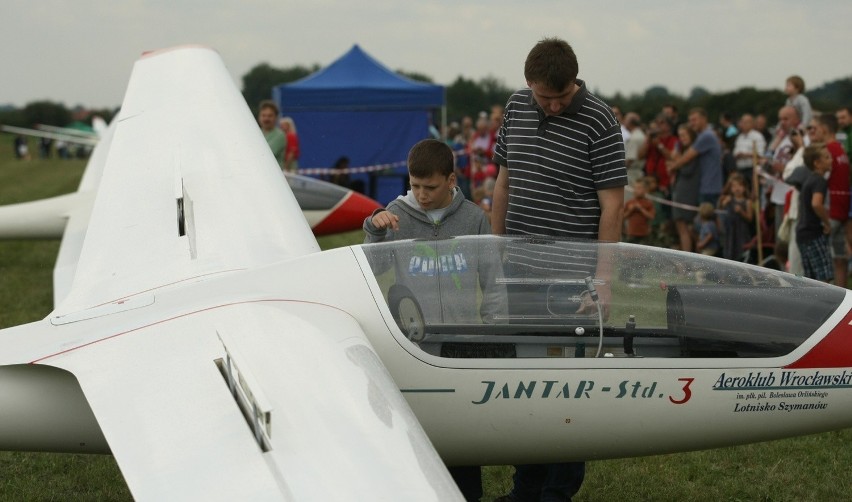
{"x": 358, "y": 108}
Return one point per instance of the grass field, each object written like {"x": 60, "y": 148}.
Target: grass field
{"x": 813, "y": 468}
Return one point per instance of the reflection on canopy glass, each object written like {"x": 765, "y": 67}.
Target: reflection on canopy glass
{"x": 502, "y": 297}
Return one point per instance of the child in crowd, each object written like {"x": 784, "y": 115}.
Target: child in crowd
{"x": 445, "y": 276}
{"x": 813, "y": 226}
{"x": 659, "y": 232}
{"x": 794, "y": 88}
{"x": 739, "y": 214}
{"x": 708, "y": 232}
{"x": 638, "y": 213}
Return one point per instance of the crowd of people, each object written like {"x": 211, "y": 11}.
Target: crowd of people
{"x": 47, "y": 147}
{"x": 706, "y": 188}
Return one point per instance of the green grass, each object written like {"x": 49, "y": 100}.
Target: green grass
{"x": 807, "y": 468}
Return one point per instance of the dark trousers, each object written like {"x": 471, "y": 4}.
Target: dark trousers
{"x": 548, "y": 482}
{"x": 545, "y": 482}
{"x": 469, "y": 480}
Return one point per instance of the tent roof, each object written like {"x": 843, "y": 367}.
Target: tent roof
{"x": 357, "y": 81}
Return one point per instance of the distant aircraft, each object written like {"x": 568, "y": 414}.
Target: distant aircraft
{"x": 329, "y": 208}
{"x": 203, "y": 338}
{"x": 59, "y": 134}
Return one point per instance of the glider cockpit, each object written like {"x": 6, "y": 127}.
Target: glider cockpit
{"x": 494, "y": 297}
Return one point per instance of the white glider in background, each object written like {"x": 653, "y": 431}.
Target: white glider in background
{"x": 99, "y": 127}
{"x": 59, "y": 134}
{"x": 205, "y": 341}
{"x": 328, "y": 208}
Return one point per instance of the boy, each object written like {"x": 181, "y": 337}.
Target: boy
{"x": 708, "y": 232}
{"x": 432, "y": 200}
{"x": 435, "y": 209}
{"x": 813, "y": 225}
{"x": 638, "y": 213}
{"x": 794, "y": 88}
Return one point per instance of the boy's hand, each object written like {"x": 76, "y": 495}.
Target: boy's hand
{"x": 385, "y": 219}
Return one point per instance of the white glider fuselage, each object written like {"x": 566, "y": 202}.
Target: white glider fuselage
{"x": 492, "y": 410}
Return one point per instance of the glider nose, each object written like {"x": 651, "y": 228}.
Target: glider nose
{"x": 347, "y": 215}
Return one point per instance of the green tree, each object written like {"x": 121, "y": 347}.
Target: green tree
{"x": 657, "y": 92}
{"x": 45, "y": 112}
{"x": 495, "y": 90}
{"x": 259, "y": 81}
{"x": 417, "y": 77}
{"x": 832, "y": 95}
{"x": 465, "y": 97}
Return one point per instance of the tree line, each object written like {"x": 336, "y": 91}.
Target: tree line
{"x": 467, "y": 97}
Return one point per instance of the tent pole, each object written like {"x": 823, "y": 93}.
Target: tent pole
{"x": 443, "y": 119}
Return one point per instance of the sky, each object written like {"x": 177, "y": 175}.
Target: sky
{"x": 82, "y": 52}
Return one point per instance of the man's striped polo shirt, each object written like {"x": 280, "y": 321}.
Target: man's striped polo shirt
{"x": 558, "y": 163}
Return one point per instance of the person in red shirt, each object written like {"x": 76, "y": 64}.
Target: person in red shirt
{"x": 657, "y": 149}
{"x": 822, "y": 129}
{"x": 291, "y": 152}
{"x": 638, "y": 213}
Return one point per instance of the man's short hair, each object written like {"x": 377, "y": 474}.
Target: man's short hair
{"x": 812, "y": 153}
{"x": 429, "y": 157}
{"x": 551, "y": 63}
{"x": 633, "y": 119}
{"x": 798, "y": 83}
{"x": 827, "y": 120}
{"x": 268, "y": 103}
{"x": 698, "y": 110}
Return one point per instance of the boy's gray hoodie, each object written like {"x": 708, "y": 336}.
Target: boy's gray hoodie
{"x": 443, "y": 273}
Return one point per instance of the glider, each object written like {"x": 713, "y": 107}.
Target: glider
{"x": 329, "y": 208}
{"x": 59, "y": 134}
{"x": 202, "y": 337}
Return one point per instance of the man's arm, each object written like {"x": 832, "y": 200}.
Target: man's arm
{"x": 500, "y": 202}
{"x": 611, "y": 201}
{"x": 643, "y": 148}
{"x": 818, "y": 205}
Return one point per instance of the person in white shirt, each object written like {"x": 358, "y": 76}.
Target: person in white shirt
{"x": 747, "y": 141}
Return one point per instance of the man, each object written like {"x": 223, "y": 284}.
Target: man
{"x": 780, "y": 151}
{"x": 729, "y": 130}
{"x": 548, "y": 186}
{"x": 822, "y": 129}
{"x": 844, "y": 129}
{"x": 708, "y": 153}
{"x": 761, "y": 125}
{"x": 635, "y": 167}
{"x": 747, "y": 142}
{"x": 267, "y": 117}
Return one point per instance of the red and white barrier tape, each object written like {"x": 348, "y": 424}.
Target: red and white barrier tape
{"x": 316, "y": 171}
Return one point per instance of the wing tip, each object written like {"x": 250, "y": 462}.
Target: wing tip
{"x": 157, "y": 52}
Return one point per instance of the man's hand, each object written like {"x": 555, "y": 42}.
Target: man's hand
{"x": 587, "y": 305}
{"x": 384, "y": 220}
